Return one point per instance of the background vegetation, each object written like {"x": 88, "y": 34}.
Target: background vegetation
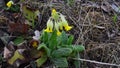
{"x": 96, "y": 25}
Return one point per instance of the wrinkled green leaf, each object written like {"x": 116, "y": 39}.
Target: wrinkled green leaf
{"x": 41, "y": 60}
{"x": 53, "y": 41}
{"x": 60, "y": 62}
{"x": 62, "y": 52}
{"x": 16, "y": 56}
{"x": 70, "y": 40}
{"x": 18, "y": 40}
{"x": 45, "y": 48}
{"x": 62, "y": 39}
{"x": 78, "y": 48}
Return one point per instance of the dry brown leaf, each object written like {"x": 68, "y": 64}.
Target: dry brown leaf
{"x": 17, "y": 27}
{"x": 7, "y": 53}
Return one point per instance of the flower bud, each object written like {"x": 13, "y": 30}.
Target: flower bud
{"x": 55, "y": 15}
{"x": 9, "y": 4}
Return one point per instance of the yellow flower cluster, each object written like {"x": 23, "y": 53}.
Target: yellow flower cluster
{"x": 58, "y": 24}
{"x": 9, "y": 4}
{"x": 49, "y": 26}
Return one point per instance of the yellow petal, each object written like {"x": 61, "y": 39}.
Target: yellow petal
{"x": 34, "y": 44}
{"x": 9, "y": 4}
{"x": 53, "y": 11}
{"x": 58, "y": 33}
{"x": 51, "y": 30}
{"x": 67, "y": 27}
{"x": 48, "y": 30}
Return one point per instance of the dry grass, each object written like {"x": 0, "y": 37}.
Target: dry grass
{"x": 93, "y": 27}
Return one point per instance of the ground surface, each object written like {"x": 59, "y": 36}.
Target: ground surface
{"x": 96, "y": 25}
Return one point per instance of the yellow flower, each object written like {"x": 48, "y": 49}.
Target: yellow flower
{"x": 48, "y": 30}
{"x": 67, "y": 27}
{"x": 57, "y": 29}
{"x": 9, "y": 4}
{"x": 35, "y": 44}
{"x": 49, "y": 26}
{"x": 65, "y": 23}
{"x": 58, "y": 33}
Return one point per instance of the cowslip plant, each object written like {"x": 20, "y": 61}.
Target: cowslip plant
{"x": 11, "y": 6}
{"x": 56, "y": 45}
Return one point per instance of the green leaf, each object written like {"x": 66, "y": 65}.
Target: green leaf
{"x": 62, "y": 52}
{"x": 60, "y": 62}
{"x": 53, "y": 41}
{"x": 70, "y": 40}
{"x": 14, "y": 8}
{"x": 18, "y": 40}
{"x": 76, "y": 62}
{"x": 45, "y": 48}
{"x": 30, "y": 15}
{"x": 16, "y": 56}
{"x": 44, "y": 37}
{"x": 115, "y": 18}
{"x": 62, "y": 39}
{"x": 78, "y": 48}
{"x": 41, "y": 60}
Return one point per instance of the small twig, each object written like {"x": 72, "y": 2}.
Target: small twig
{"x": 96, "y": 62}
{"x": 27, "y": 66}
